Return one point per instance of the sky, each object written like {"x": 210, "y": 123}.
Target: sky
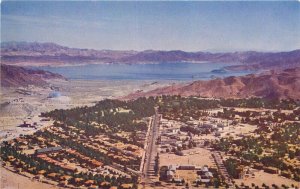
{"x": 188, "y": 26}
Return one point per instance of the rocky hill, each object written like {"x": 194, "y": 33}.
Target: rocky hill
{"x": 273, "y": 84}
{"x": 15, "y": 76}
{"x": 52, "y": 54}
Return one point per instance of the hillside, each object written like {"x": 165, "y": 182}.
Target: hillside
{"x": 15, "y": 76}
{"x": 52, "y": 54}
{"x": 279, "y": 84}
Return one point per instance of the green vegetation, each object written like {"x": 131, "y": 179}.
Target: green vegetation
{"x": 181, "y": 108}
{"x": 33, "y": 165}
{"x": 271, "y": 148}
{"x": 124, "y": 124}
{"x": 286, "y": 104}
{"x": 232, "y": 167}
{"x": 107, "y": 117}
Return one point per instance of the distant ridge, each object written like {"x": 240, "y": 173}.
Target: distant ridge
{"x": 53, "y": 54}
{"x": 15, "y": 76}
{"x": 34, "y": 53}
{"x": 274, "y": 84}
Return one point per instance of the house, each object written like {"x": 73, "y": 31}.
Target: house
{"x": 63, "y": 183}
{"x": 125, "y": 186}
{"x": 41, "y": 172}
{"x": 104, "y": 184}
{"x": 52, "y": 175}
{"x": 65, "y": 177}
{"x": 93, "y": 187}
{"x": 88, "y": 182}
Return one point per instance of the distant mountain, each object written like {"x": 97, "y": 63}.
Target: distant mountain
{"x": 53, "y": 54}
{"x": 255, "y": 60}
{"x": 15, "y": 76}
{"x": 273, "y": 84}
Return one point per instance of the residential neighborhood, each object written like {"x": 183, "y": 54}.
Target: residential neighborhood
{"x": 167, "y": 141}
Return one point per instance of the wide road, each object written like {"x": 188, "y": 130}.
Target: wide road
{"x": 151, "y": 149}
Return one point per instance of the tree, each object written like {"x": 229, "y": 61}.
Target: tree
{"x": 291, "y": 154}
{"x": 216, "y": 182}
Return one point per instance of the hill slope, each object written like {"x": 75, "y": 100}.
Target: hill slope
{"x": 279, "y": 84}
{"x": 15, "y": 76}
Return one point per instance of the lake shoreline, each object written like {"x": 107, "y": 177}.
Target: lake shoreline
{"x": 177, "y": 71}
{"x": 68, "y": 64}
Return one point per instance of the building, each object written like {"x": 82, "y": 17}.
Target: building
{"x": 186, "y": 167}
{"x": 178, "y": 181}
{"x": 204, "y": 175}
{"x": 170, "y": 175}
{"x": 48, "y": 150}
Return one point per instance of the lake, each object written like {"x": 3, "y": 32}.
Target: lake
{"x": 160, "y": 71}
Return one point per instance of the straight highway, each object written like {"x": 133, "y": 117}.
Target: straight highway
{"x": 151, "y": 150}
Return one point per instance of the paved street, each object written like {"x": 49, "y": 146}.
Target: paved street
{"x": 151, "y": 150}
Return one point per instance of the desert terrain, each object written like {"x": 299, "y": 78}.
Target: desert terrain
{"x": 19, "y": 104}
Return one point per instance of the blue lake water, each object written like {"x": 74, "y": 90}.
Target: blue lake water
{"x": 159, "y": 71}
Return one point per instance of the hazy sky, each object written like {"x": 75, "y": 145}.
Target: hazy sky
{"x": 189, "y": 26}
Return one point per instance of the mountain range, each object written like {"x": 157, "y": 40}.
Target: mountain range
{"x": 271, "y": 84}
{"x": 282, "y": 82}
{"x": 34, "y": 53}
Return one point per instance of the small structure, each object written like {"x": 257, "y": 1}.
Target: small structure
{"x": 48, "y": 150}
{"x": 170, "y": 175}
{"x": 25, "y": 124}
{"x": 187, "y": 167}
{"x": 271, "y": 170}
{"x": 204, "y": 175}
{"x": 178, "y": 181}
{"x": 125, "y": 186}
{"x": 54, "y": 94}
{"x": 41, "y": 172}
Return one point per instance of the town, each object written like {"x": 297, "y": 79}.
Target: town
{"x": 164, "y": 142}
